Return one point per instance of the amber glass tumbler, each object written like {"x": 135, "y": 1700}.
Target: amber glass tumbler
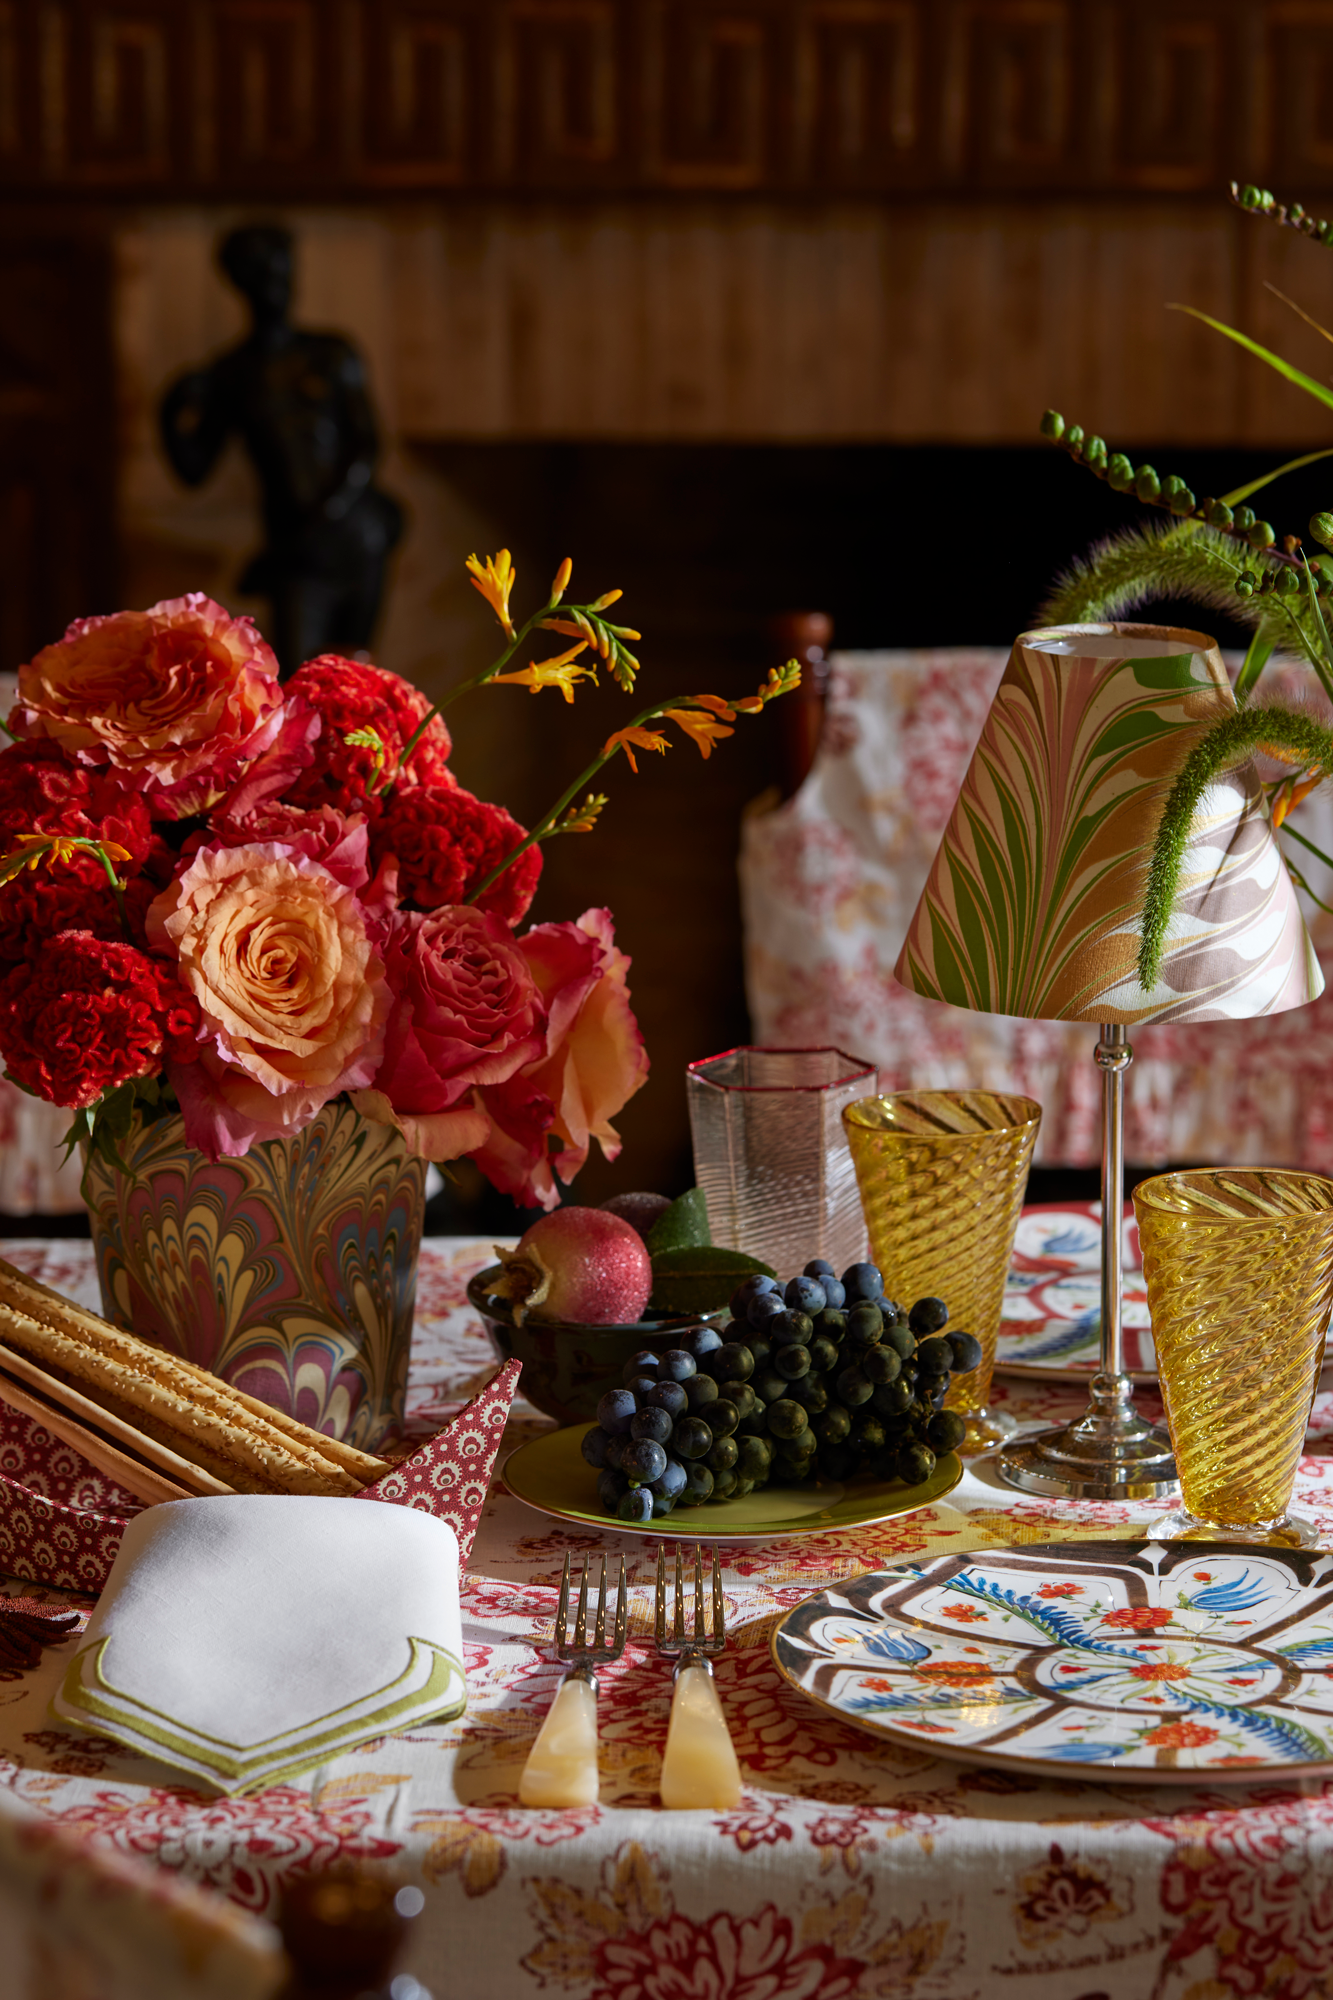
{"x": 942, "y": 1175}
{"x": 1239, "y": 1273}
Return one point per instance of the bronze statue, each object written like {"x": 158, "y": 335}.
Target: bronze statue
{"x": 300, "y": 405}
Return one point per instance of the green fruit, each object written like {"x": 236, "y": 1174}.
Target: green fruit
{"x": 684, "y": 1224}
{"x": 934, "y": 1356}
{"x": 824, "y": 1354}
{"x": 891, "y": 1399}
{"x": 868, "y": 1434}
{"x": 724, "y": 1485}
{"x": 810, "y": 1393}
{"x": 793, "y": 1362}
{"x": 900, "y": 1338}
{"x": 722, "y": 1457}
{"x": 881, "y": 1364}
{"x": 831, "y": 1324}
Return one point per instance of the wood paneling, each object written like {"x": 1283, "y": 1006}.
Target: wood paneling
{"x": 920, "y": 321}
{"x": 334, "y": 98}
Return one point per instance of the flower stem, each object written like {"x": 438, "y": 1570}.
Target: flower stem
{"x": 585, "y": 777}
{"x": 477, "y": 680}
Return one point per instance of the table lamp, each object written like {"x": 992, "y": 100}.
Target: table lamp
{"x": 1032, "y": 908}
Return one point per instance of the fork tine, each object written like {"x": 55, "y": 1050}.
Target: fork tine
{"x": 700, "y": 1629}
{"x": 618, "y": 1638}
{"x": 562, "y": 1608}
{"x": 678, "y": 1626}
{"x": 599, "y": 1635}
{"x": 659, "y": 1604}
{"x": 581, "y": 1622}
{"x": 719, "y": 1607}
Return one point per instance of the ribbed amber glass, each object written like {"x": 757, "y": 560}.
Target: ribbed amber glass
{"x": 1239, "y": 1272}
{"x": 942, "y": 1175}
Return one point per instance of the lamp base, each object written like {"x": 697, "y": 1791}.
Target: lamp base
{"x": 1111, "y": 1453}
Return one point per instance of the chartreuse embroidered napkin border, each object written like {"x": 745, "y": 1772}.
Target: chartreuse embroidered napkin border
{"x": 431, "y": 1688}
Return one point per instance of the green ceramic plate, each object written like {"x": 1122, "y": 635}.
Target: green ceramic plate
{"x": 551, "y": 1474}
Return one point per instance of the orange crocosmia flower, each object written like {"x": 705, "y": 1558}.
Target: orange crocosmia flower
{"x": 1160, "y": 1670}
{"x": 966, "y": 1614}
{"x": 1139, "y": 1617}
{"x": 716, "y": 704}
{"x": 495, "y": 578}
{"x": 703, "y": 729}
{"x": 632, "y": 739}
{"x": 1186, "y": 1736}
{"x": 563, "y": 672}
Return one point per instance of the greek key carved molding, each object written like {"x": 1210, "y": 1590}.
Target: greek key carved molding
{"x": 176, "y": 99}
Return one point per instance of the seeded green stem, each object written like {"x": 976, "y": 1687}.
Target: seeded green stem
{"x": 1225, "y": 745}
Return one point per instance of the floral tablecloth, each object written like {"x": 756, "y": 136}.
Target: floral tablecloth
{"x": 850, "y": 1868}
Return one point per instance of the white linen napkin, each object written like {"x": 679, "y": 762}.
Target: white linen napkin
{"x": 249, "y": 1638}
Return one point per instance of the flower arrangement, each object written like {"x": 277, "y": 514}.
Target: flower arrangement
{"x": 1218, "y": 553}
{"x": 238, "y": 899}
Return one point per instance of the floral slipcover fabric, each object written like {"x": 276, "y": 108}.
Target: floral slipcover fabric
{"x": 829, "y": 883}
{"x": 850, "y": 1868}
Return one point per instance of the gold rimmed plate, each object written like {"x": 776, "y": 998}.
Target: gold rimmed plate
{"x": 551, "y": 1474}
{"x": 1176, "y": 1663}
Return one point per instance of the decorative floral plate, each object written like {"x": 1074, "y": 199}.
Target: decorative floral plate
{"x": 1130, "y": 1660}
{"x": 1053, "y": 1296}
{"x": 551, "y": 1474}
{"x": 1052, "y": 1323}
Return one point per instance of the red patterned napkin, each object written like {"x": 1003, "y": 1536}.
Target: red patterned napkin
{"x": 26, "y": 1625}
{"x": 449, "y": 1475}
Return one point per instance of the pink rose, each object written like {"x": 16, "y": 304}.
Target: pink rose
{"x": 466, "y": 1012}
{"x": 291, "y": 991}
{"x": 592, "y": 1064}
{"x": 180, "y": 698}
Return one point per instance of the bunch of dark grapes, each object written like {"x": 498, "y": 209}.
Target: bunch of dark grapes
{"x": 824, "y": 1378}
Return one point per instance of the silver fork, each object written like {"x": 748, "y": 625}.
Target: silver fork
{"x": 562, "y": 1764}
{"x": 700, "y": 1767}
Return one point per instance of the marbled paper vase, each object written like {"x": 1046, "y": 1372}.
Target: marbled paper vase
{"x": 290, "y": 1273}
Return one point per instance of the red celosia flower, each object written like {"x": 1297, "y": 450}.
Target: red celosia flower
{"x": 350, "y": 695}
{"x": 42, "y": 790}
{"x": 67, "y": 896}
{"x": 91, "y": 1013}
{"x": 445, "y": 842}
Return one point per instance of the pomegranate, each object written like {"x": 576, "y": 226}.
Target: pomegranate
{"x": 580, "y": 1265}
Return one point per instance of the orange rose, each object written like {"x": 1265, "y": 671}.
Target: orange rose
{"x": 292, "y": 993}
{"x": 593, "y": 1063}
{"x": 181, "y": 698}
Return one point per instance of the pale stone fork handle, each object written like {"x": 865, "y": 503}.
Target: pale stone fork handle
{"x": 700, "y": 1767}
{"x": 562, "y": 1764}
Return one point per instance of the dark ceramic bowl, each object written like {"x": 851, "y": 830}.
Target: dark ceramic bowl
{"x": 568, "y": 1368}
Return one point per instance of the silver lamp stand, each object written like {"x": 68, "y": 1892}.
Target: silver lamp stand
{"x": 1111, "y": 1453}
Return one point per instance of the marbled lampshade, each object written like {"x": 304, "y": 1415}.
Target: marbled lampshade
{"x": 1033, "y": 903}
